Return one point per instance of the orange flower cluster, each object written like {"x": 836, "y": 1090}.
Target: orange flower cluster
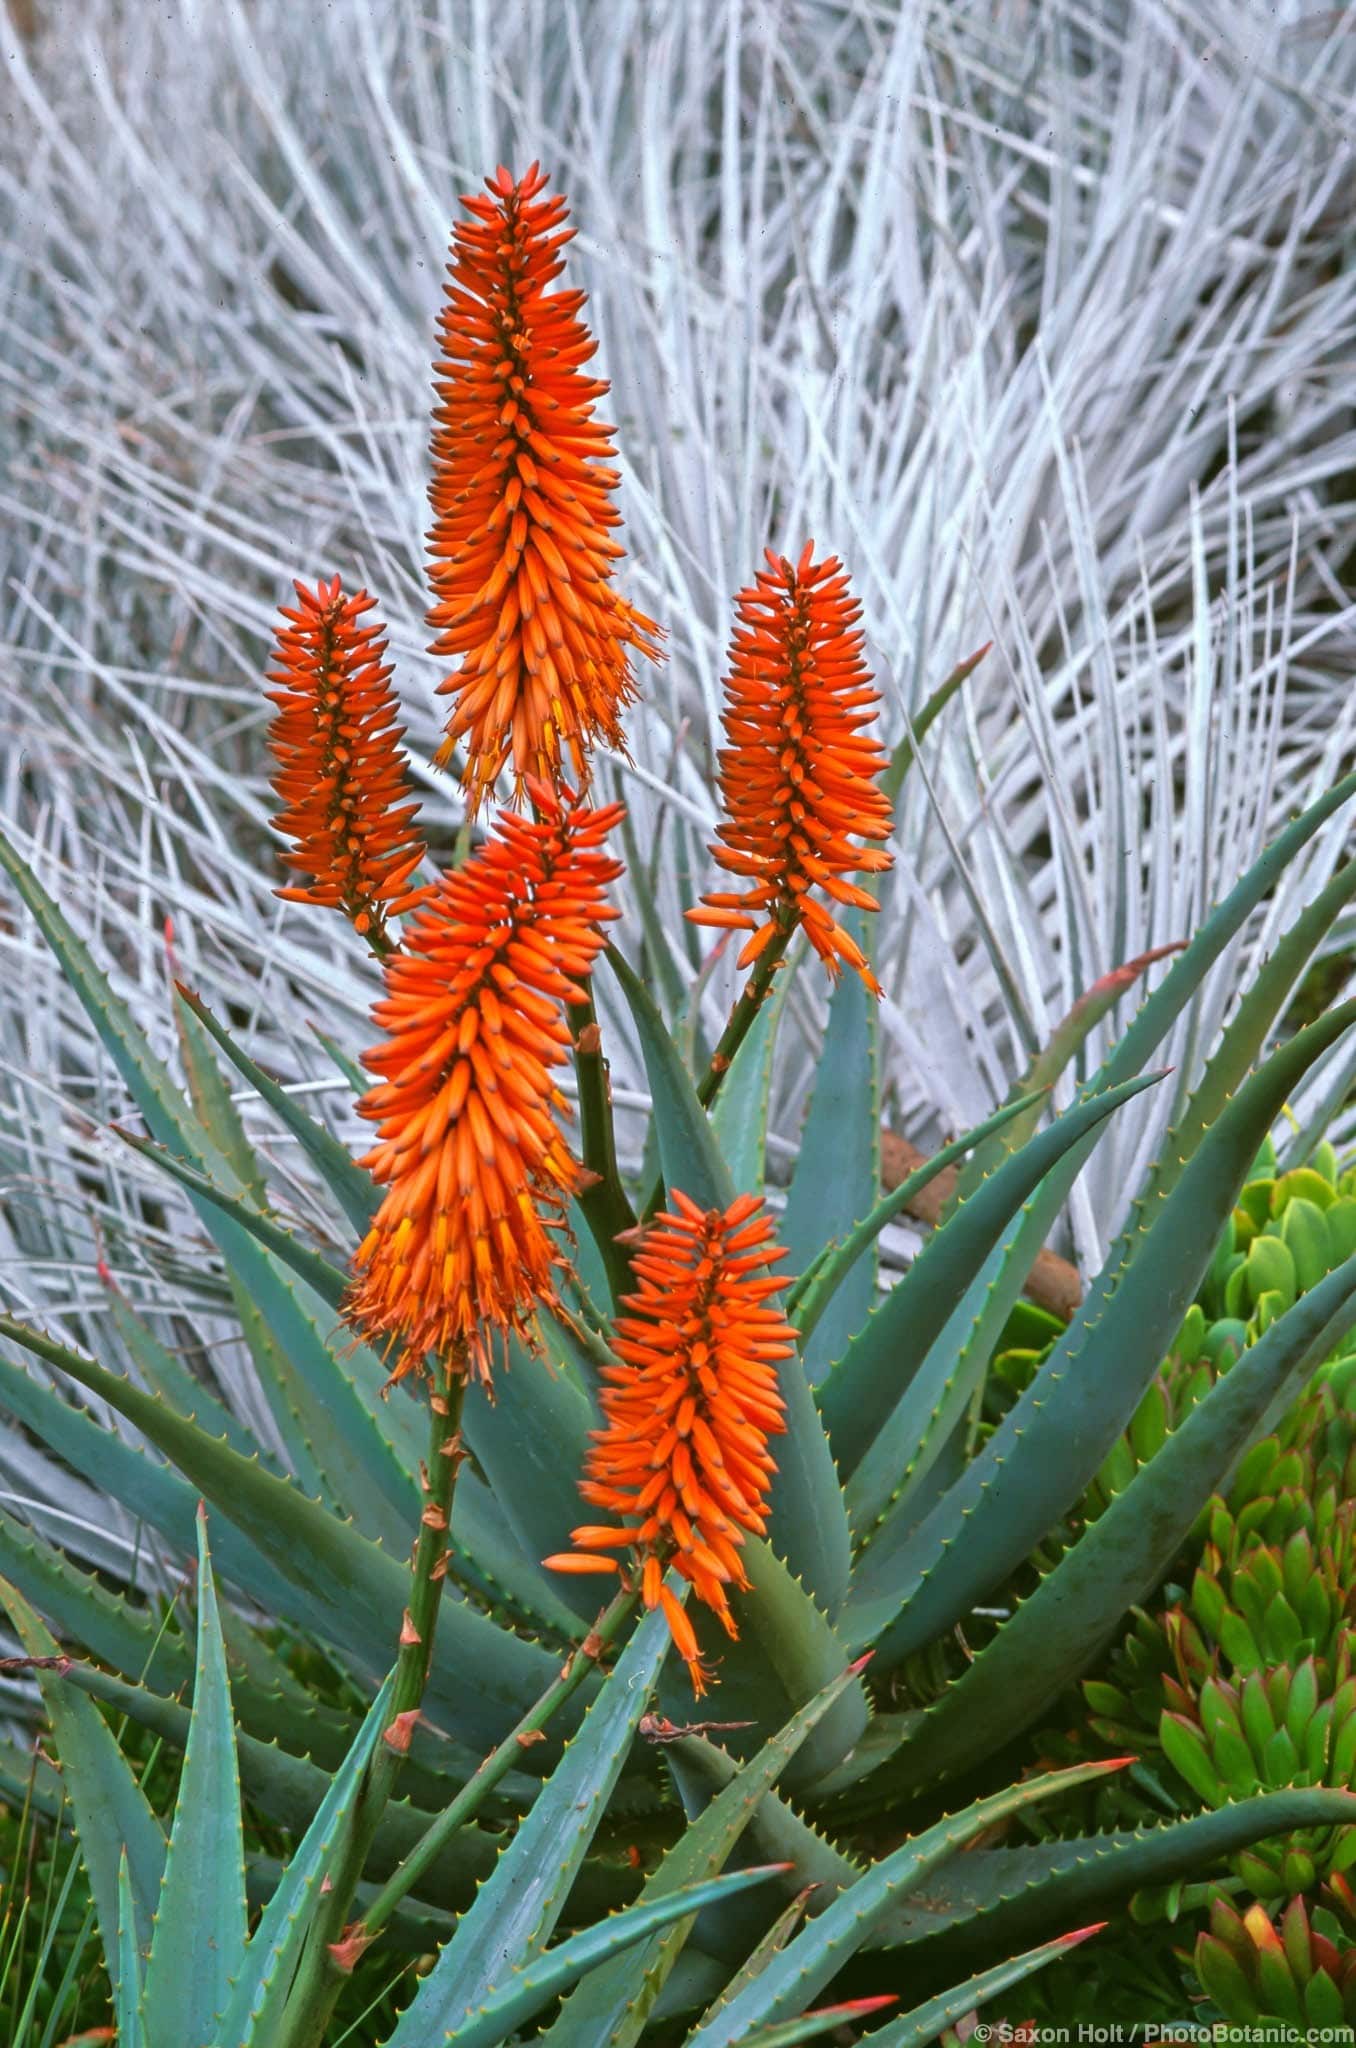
{"x": 468, "y": 1148}
{"x": 522, "y": 557}
{"x": 684, "y": 1456}
{"x": 798, "y": 777}
{"x": 340, "y": 772}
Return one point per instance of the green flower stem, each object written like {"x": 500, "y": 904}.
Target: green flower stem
{"x": 333, "y": 1947}
{"x": 501, "y": 1760}
{"x": 603, "y": 1199}
{"x": 745, "y": 1010}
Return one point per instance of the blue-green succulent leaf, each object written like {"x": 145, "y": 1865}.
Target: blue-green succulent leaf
{"x": 515, "y": 1912}
{"x": 199, "y": 1941}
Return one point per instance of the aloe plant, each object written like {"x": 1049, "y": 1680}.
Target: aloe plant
{"x": 494, "y": 1763}
{"x": 842, "y": 1572}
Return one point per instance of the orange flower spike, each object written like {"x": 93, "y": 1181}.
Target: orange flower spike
{"x": 521, "y": 551}
{"x": 459, "y": 1253}
{"x": 798, "y": 777}
{"x": 682, "y": 1460}
{"x": 340, "y": 772}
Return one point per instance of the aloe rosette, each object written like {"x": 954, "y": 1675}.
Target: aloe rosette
{"x": 807, "y": 1484}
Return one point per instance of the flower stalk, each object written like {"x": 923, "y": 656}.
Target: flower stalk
{"x": 497, "y": 1764}
{"x": 335, "y": 1946}
{"x": 747, "y": 1005}
{"x": 599, "y": 1190}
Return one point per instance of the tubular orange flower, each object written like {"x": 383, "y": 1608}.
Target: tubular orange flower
{"x": 798, "y": 777}
{"x": 522, "y": 557}
{"x": 340, "y": 772}
{"x": 468, "y": 1147}
{"x": 684, "y": 1458}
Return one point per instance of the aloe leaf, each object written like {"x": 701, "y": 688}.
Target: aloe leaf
{"x": 146, "y": 1488}
{"x": 285, "y": 1394}
{"x": 837, "y": 1171}
{"x": 324, "y": 1395}
{"x": 1260, "y": 1004}
{"x": 1044, "y": 1070}
{"x": 810, "y": 1294}
{"x": 290, "y": 1790}
{"x": 1049, "y": 1445}
{"x": 287, "y": 1758}
{"x": 808, "y": 1962}
{"x": 1124, "y": 1554}
{"x": 874, "y": 1413}
{"x": 352, "y": 1188}
{"x": 530, "y": 1439}
{"x": 320, "y": 1274}
{"x": 612, "y": 2008}
{"x": 126, "y": 1974}
{"x": 658, "y": 954}
{"x": 260, "y": 1991}
{"x": 807, "y": 1518}
{"x": 812, "y": 2026}
{"x": 925, "y": 2022}
{"x": 515, "y": 1912}
{"x": 112, "y": 1818}
{"x": 902, "y": 758}
{"x": 992, "y": 1294}
{"x": 147, "y": 1078}
{"x": 340, "y": 1584}
{"x": 156, "y": 1495}
{"x": 168, "y": 1377}
{"x": 739, "y": 1114}
{"x": 490, "y": 1561}
{"x": 786, "y": 1652}
{"x": 85, "y": 1611}
{"x": 212, "y": 1102}
{"x": 992, "y": 1899}
{"x": 172, "y": 1122}
{"x": 344, "y": 1443}
{"x": 26, "y": 1775}
{"x": 770, "y": 1943}
{"x": 689, "y": 1157}
{"x": 529, "y": 1989}
{"x": 779, "y": 1834}
{"x": 347, "y": 1066}
{"x": 415, "y": 1928}
{"x": 573, "y": 1340}
{"x": 200, "y": 1929}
